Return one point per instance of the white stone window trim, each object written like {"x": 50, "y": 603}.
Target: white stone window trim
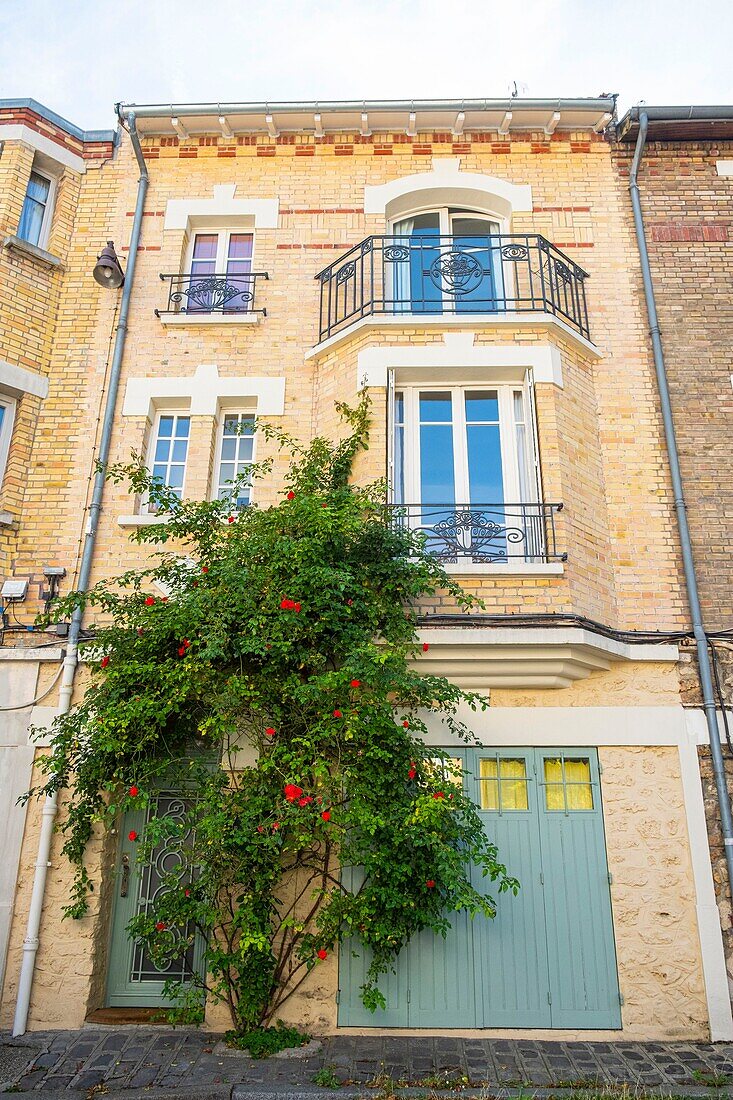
{"x": 446, "y": 185}
{"x": 8, "y": 405}
{"x": 222, "y": 210}
{"x": 724, "y": 167}
{"x": 457, "y": 357}
{"x": 206, "y": 390}
{"x": 41, "y": 144}
{"x": 14, "y": 383}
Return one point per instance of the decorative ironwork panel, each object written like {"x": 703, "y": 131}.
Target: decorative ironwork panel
{"x": 457, "y": 272}
{"x": 218, "y": 293}
{"x": 484, "y": 533}
{"x": 166, "y": 858}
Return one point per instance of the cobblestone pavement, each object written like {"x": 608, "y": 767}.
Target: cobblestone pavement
{"x": 188, "y": 1062}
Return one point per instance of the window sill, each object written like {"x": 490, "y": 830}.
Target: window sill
{"x": 17, "y": 244}
{"x": 209, "y": 318}
{"x": 7, "y": 519}
{"x": 505, "y": 569}
{"x": 142, "y": 519}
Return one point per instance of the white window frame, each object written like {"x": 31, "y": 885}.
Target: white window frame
{"x": 507, "y": 439}
{"x": 250, "y": 413}
{"x": 222, "y": 247}
{"x": 47, "y": 222}
{"x": 9, "y": 404}
{"x": 145, "y": 507}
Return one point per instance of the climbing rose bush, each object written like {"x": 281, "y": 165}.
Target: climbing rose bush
{"x": 275, "y": 687}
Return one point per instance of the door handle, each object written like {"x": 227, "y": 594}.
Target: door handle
{"x": 125, "y": 880}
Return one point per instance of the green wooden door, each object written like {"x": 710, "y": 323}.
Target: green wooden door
{"x": 548, "y": 958}
{"x": 132, "y": 979}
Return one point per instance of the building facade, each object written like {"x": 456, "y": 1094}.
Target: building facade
{"x": 474, "y": 267}
{"x": 686, "y": 184}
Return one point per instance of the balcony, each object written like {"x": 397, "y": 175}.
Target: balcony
{"x": 423, "y": 276}
{"x": 211, "y": 299}
{"x": 485, "y": 534}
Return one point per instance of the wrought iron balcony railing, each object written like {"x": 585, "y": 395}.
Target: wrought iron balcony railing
{"x": 408, "y": 275}
{"x": 199, "y": 295}
{"x": 484, "y": 533}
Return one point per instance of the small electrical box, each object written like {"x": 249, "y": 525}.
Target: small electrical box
{"x": 14, "y": 588}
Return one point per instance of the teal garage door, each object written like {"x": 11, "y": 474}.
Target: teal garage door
{"x": 548, "y": 959}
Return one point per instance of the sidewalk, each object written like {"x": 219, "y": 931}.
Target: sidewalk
{"x": 185, "y": 1063}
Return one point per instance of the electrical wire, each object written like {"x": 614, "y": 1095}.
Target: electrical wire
{"x": 32, "y": 703}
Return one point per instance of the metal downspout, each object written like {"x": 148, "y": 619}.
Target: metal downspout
{"x": 703, "y": 657}
{"x": 30, "y": 943}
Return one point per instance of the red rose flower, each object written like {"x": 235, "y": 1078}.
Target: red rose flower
{"x": 140, "y": 632}
{"x": 104, "y": 662}
{"x": 430, "y": 883}
{"x": 161, "y": 926}
{"x": 286, "y": 604}
{"x": 270, "y": 731}
{"x": 425, "y": 647}
{"x": 303, "y": 801}
{"x": 322, "y": 954}
{"x": 337, "y": 714}
{"x": 411, "y": 774}
{"x": 349, "y": 603}
{"x": 326, "y": 815}
{"x": 356, "y": 683}
{"x": 164, "y": 599}
{"x": 204, "y": 569}
{"x": 187, "y": 893}
{"x": 406, "y": 724}
{"x": 149, "y": 601}
{"x": 260, "y": 828}
{"x": 438, "y": 794}
{"x": 231, "y": 519}
{"x": 276, "y": 825}
{"x": 292, "y": 791}
{"x": 133, "y": 792}
{"x": 297, "y": 608}
{"x": 186, "y": 643}
{"x": 182, "y": 651}
{"x": 291, "y": 495}
{"x": 132, "y": 835}
{"x": 324, "y": 505}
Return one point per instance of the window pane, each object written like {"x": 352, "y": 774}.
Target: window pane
{"x": 436, "y": 408}
{"x": 486, "y": 483}
{"x": 245, "y": 449}
{"x": 180, "y": 447}
{"x": 240, "y": 246}
{"x": 204, "y": 246}
{"x": 160, "y": 471}
{"x": 165, "y": 427}
{"x": 175, "y": 477}
{"x": 503, "y": 784}
{"x": 184, "y": 423}
{"x": 579, "y": 789}
{"x": 2, "y": 416}
{"x": 226, "y": 472}
{"x": 436, "y": 464}
{"x": 162, "y": 450}
{"x": 473, "y": 227}
{"x": 31, "y": 221}
{"x": 482, "y": 405}
{"x": 228, "y": 450}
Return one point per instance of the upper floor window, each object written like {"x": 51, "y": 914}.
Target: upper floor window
{"x": 7, "y": 415}
{"x": 235, "y": 454}
{"x": 220, "y": 267}
{"x": 169, "y": 450}
{"x": 464, "y": 472}
{"x": 35, "y": 219}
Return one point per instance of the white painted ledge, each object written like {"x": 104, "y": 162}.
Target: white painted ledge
{"x": 481, "y": 321}
{"x": 141, "y": 519}
{"x": 527, "y": 657}
{"x": 19, "y": 380}
{"x": 505, "y": 569}
{"x": 17, "y": 244}
{"x": 209, "y": 318}
{"x": 20, "y": 653}
{"x": 42, "y": 144}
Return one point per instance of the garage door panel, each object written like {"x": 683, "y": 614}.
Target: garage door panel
{"x": 581, "y": 951}
{"x": 354, "y": 961}
{"x": 510, "y": 951}
{"x": 441, "y": 977}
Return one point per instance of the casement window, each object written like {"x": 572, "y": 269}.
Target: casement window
{"x": 449, "y": 263}
{"x": 169, "y": 450}
{"x": 234, "y": 456}
{"x": 35, "y": 219}
{"x": 215, "y": 257}
{"x": 464, "y": 470}
{"x": 7, "y": 416}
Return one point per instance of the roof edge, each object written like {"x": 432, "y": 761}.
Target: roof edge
{"x": 57, "y": 120}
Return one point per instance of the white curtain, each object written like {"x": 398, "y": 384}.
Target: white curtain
{"x": 397, "y": 274}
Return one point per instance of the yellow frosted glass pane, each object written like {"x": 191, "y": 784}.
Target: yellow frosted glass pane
{"x": 553, "y": 770}
{"x": 554, "y": 796}
{"x": 489, "y": 794}
{"x": 489, "y": 768}
{"x": 579, "y": 788}
{"x": 512, "y": 775}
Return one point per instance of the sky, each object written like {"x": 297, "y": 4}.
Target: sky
{"x": 79, "y": 57}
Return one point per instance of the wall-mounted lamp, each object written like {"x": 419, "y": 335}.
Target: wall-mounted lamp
{"x": 107, "y": 270}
